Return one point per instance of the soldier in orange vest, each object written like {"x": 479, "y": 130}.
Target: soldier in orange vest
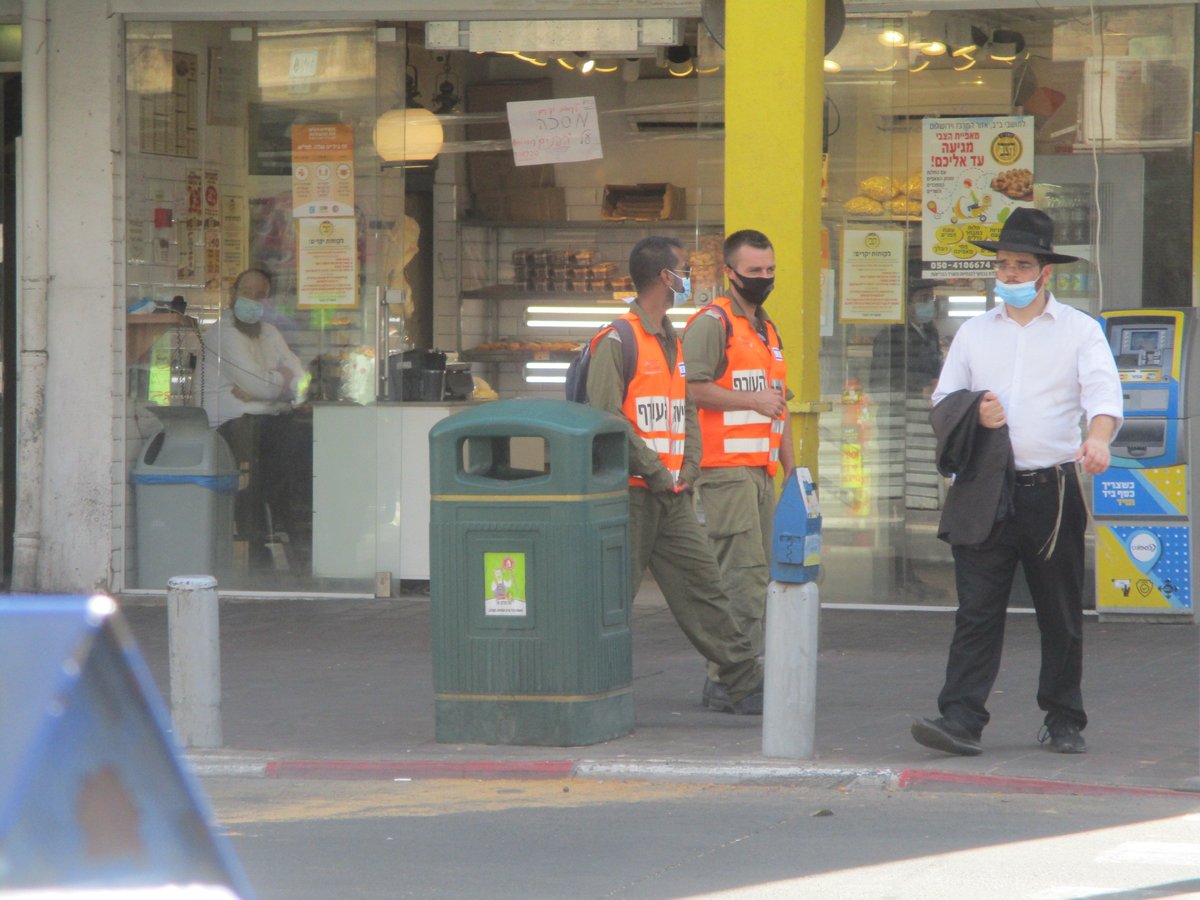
{"x": 664, "y": 460}
{"x": 738, "y": 381}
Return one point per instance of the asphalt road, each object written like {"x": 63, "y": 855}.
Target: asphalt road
{"x": 582, "y": 838}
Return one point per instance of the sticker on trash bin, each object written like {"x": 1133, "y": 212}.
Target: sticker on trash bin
{"x": 504, "y": 574}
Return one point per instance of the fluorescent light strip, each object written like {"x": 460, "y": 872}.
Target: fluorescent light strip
{"x": 547, "y": 365}
{"x": 545, "y": 379}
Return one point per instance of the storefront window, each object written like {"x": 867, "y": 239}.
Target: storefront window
{"x": 1095, "y": 112}
{"x": 333, "y": 240}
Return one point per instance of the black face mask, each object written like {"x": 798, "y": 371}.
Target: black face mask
{"x": 754, "y": 290}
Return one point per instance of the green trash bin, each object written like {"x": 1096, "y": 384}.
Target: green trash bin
{"x": 530, "y": 575}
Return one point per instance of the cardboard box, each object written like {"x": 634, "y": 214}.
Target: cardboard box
{"x": 643, "y": 202}
{"x": 547, "y": 204}
{"x": 495, "y": 170}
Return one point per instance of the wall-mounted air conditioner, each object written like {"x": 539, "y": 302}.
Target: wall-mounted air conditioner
{"x": 1136, "y": 102}
{"x": 675, "y": 104}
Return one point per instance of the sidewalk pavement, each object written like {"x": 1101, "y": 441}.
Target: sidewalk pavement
{"x": 343, "y": 689}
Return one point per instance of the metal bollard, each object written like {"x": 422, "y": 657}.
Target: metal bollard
{"x": 193, "y": 629}
{"x": 790, "y": 670}
{"x": 793, "y": 621}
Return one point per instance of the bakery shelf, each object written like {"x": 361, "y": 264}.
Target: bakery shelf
{"x": 510, "y": 292}
{"x": 516, "y": 356}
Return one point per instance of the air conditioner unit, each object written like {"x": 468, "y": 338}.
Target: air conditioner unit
{"x": 1137, "y": 102}
{"x": 944, "y": 92}
{"x": 675, "y": 104}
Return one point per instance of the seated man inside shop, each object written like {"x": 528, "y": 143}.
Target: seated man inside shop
{"x": 251, "y": 383}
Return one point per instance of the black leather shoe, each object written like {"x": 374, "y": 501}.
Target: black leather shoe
{"x": 750, "y": 705}
{"x": 1064, "y": 737}
{"x": 713, "y": 691}
{"x": 945, "y": 735}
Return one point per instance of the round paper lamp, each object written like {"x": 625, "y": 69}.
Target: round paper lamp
{"x": 405, "y": 135}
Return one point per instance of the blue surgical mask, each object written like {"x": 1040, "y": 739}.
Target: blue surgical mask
{"x": 1017, "y": 296}
{"x": 923, "y": 311}
{"x": 679, "y": 298}
{"x": 247, "y": 311}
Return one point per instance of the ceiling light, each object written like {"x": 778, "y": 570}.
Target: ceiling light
{"x": 969, "y": 61}
{"x": 586, "y": 63}
{"x": 1006, "y": 45}
{"x": 679, "y": 60}
{"x": 408, "y": 135}
{"x": 832, "y": 66}
{"x": 920, "y": 66}
{"x": 890, "y": 37}
{"x": 933, "y": 48}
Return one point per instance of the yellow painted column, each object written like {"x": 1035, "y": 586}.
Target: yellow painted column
{"x": 774, "y": 94}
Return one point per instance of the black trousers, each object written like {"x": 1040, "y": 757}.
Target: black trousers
{"x": 278, "y": 452}
{"x": 984, "y": 577}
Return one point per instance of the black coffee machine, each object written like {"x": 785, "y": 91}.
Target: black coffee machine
{"x": 417, "y": 375}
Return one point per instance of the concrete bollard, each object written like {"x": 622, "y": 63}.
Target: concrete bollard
{"x": 790, "y": 670}
{"x": 193, "y": 631}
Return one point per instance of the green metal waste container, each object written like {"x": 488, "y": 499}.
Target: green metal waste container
{"x": 530, "y": 575}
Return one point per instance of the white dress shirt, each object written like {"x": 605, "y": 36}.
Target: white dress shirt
{"x": 1047, "y": 374}
{"x": 234, "y": 359}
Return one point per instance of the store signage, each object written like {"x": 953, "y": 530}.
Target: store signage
{"x": 554, "y": 131}
{"x": 322, "y": 170}
{"x": 326, "y": 269}
{"x": 873, "y": 275}
{"x": 976, "y": 172}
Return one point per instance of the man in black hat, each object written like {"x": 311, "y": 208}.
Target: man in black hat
{"x": 1034, "y": 367}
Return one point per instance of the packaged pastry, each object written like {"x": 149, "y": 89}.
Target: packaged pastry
{"x": 863, "y": 206}
{"x": 878, "y": 187}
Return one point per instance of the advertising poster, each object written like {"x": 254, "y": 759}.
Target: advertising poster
{"x": 977, "y": 171}
{"x": 322, "y": 170}
{"x": 326, "y": 273}
{"x": 1140, "y": 492}
{"x": 504, "y": 575}
{"x": 1143, "y": 568}
{"x": 873, "y": 275}
{"x": 552, "y": 131}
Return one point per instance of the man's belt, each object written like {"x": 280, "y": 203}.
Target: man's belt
{"x": 1034, "y": 477}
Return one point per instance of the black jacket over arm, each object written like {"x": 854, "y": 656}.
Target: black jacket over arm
{"x": 981, "y": 461}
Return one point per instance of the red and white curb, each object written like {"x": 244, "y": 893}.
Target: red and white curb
{"x": 251, "y": 765}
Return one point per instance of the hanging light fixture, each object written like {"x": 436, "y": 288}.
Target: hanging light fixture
{"x": 679, "y": 61}
{"x": 409, "y": 133}
{"x": 1006, "y": 45}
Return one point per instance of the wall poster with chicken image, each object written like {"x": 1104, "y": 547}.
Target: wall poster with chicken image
{"x": 977, "y": 171}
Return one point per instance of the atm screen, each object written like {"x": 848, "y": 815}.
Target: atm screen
{"x": 1142, "y": 350}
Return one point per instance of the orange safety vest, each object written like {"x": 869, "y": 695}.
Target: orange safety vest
{"x": 655, "y": 401}
{"x": 742, "y": 437}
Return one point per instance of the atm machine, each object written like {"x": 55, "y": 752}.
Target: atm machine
{"x": 1146, "y": 504}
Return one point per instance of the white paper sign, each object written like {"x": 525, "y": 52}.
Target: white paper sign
{"x": 552, "y": 131}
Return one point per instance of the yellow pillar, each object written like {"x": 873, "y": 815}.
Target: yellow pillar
{"x": 774, "y": 94}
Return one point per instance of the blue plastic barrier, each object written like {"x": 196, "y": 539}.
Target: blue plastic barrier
{"x": 93, "y": 791}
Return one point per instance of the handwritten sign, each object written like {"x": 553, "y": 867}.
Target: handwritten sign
{"x": 977, "y": 171}
{"x": 552, "y": 131}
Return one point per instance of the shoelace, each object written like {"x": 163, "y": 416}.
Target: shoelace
{"x": 1044, "y": 734}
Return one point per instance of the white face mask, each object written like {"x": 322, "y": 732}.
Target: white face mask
{"x": 247, "y": 311}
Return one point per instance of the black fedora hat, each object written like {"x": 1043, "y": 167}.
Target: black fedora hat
{"x": 1028, "y": 230}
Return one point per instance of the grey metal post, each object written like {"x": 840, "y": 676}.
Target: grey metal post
{"x": 193, "y": 629}
{"x": 790, "y": 670}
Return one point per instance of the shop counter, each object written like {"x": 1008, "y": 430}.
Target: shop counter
{"x": 371, "y": 488}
